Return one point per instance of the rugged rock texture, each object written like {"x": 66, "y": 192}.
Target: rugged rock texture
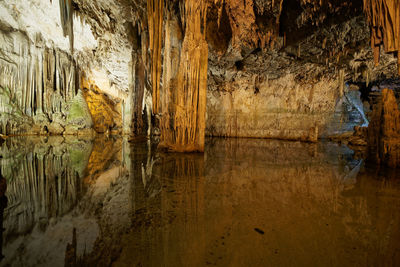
{"x": 384, "y": 131}
{"x": 291, "y": 94}
{"x": 79, "y": 117}
{"x": 293, "y": 88}
{"x": 41, "y": 69}
{"x": 183, "y": 118}
{"x": 155, "y": 14}
{"x": 39, "y": 75}
{"x": 384, "y": 19}
{"x": 105, "y": 112}
{"x": 265, "y": 68}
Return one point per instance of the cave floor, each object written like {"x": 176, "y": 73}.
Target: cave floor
{"x": 244, "y": 202}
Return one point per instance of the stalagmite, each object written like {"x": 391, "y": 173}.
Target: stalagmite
{"x": 384, "y": 20}
{"x": 184, "y": 94}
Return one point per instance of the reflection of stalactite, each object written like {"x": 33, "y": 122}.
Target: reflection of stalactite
{"x": 384, "y": 19}
{"x": 186, "y": 205}
{"x": 43, "y": 182}
{"x": 3, "y": 205}
{"x": 183, "y": 117}
{"x": 70, "y": 252}
{"x": 155, "y": 11}
{"x": 169, "y": 207}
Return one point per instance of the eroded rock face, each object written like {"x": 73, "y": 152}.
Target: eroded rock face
{"x": 44, "y": 48}
{"x": 384, "y": 20}
{"x": 79, "y": 118}
{"x": 384, "y": 131}
{"x": 275, "y": 69}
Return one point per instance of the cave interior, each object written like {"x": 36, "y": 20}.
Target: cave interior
{"x": 175, "y": 132}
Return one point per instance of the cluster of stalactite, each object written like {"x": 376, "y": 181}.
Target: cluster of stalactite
{"x": 384, "y": 131}
{"x": 185, "y": 79}
{"x": 42, "y": 183}
{"x": 37, "y": 87}
{"x": 384, "y": 19}
{"x": 246, "y": 30}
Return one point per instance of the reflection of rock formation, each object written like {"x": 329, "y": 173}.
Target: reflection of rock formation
{"x": 104, "y": 153}
{"x": 43, "y": 179}
{"x": 3, "y": 205}
{"x": 44, "y": 208}
{"x": 305, "y": 197}
{"x": 164, "y": 223}
{"x": 300, "y": 196}
{"x": 70, "y": 252}
{"x": 195, "y": 209}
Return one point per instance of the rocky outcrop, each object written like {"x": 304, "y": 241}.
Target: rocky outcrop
{"x": 384, "y": 131}
{"x": 105, "y": 111}
{"x": 79, "y": 118}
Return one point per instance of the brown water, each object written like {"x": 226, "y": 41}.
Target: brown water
{"x": 245, "y": 202}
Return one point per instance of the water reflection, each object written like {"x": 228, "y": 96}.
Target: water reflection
{"x": 3, "y": 205}
{"x": 244, "y": 202}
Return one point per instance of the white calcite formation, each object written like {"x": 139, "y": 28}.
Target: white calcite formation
{"x": 42, "y": 64}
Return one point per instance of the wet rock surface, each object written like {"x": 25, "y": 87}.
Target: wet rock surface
{"x": 244, "y": 202}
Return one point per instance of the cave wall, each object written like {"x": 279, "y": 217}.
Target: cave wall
{"x": 292, "y": 84}
{"x": 43, "y": 60}
{"x": 276, "y": 69}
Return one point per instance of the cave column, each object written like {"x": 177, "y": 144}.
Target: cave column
{"x": 185, "y": 80}
{"x": 155, "y": 11}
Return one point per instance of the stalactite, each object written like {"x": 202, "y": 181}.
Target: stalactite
{"x": 384, "y": 19}
{"x": 155, "y": 11}
{"x": 36, "y": 87}
{"x": 139, "y": 74}
{"x": 183, "y": 119}
{"x": 67, "y": 21}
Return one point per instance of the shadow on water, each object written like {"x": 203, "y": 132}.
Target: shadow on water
{"x": 252, "y": 202}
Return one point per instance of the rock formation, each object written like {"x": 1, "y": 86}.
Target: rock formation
{"x": 384, "y": 131}
{"x": 186, "y": 69}
{"x": 184, "y": 96}
{"x": 384, "y": 19}
{"x": 155, "y": 13}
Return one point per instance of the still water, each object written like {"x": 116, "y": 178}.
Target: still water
{"x": 244, "y": 202}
